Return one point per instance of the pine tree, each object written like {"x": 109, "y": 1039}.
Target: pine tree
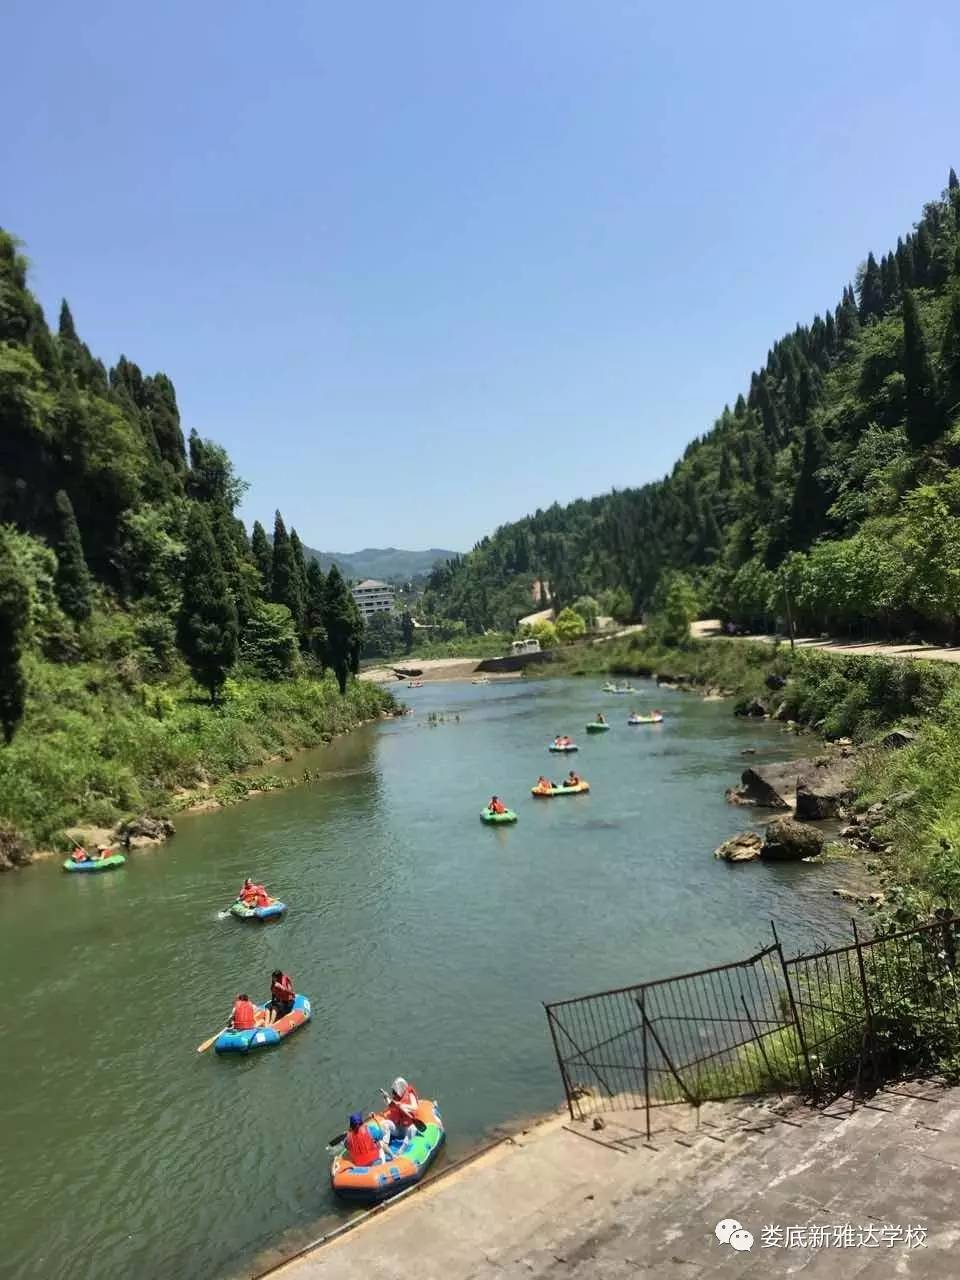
{"x": 315, "y": 604}
{"x": 810, "y": 495}
{"x": 923, "y": 419}
{"x": 300, "y": 563}
{"x": 890, "y": 274}
{"x": 241, "y": 576}
{"x": 952, "y": 183}
{"x": 922, "y": 255}
{"x": 905, "y": 262}
{"x": 285, "y": 577}
{"x": 950, "y": 354}
{"x": 740, "y": 408}
{"x": 344, "y": 627}
{"x": 207, "y": 626}
{"x": 262, "y": 555}
{"x": 848, "y": 320}
{"x": 73, "y": 577}
{"x": 871, "y": 291}
{"x": 67, "y": 329}
{"x": 14, "y": 623}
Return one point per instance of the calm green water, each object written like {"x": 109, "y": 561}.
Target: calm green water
{"x": 425, "y": 940}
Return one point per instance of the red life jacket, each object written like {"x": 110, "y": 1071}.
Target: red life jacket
{"x": 409, "y": 1098}
{"x": 283, "y": 990}
{"x": 244, "y": 1015}
{"x": 361, "y": 1145}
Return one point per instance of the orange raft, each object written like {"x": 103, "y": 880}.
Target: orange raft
{"x": 410, "y": 1161}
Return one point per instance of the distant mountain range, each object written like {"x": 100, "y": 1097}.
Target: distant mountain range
{"x": 389, "y": 564}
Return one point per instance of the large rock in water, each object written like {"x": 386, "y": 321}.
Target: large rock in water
{"x": 137, "y": 833}
{"x": 822, "y": 798}
{"x": 789, "y": 841}
{"x": 819, "y": 787}
{"x": 740, "y": 848}
{"x": 13, "y": 850}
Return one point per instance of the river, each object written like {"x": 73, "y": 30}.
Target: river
{"x": 425, "y": 940}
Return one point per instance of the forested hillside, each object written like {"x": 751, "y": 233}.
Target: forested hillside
{"x": 833, "y": 475}
{"x": 390, "y": 564}
{"x": 146, "y": 641}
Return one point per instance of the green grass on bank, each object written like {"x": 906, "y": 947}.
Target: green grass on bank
{"x": 95, "y": 749}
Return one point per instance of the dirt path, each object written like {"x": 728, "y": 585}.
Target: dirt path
{"x": 833, "y": 644}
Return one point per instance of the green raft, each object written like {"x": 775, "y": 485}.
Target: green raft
{"x": 96, "y": 864}
{"x": 596, "y": 726}
{"x": 487, "y": 815}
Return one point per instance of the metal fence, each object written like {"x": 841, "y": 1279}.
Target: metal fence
{"x": 846, "y": 1017}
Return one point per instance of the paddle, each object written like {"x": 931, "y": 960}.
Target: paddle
{"x": 202, "y": 1048}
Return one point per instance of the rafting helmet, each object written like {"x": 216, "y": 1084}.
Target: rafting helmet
{"x": 399, "y": 1087}
{"x": 356, "y": 1120}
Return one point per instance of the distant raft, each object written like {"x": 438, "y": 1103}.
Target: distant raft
{"x": 264, "y": 1037}
{"x": 578, "y": 789}
{"x": 655, "y": 718}
{"x": 410, "y": 1160}
{"x": 269, "y": 912}
{"x": 96, "y": 864}
{"x": 487, "y": 815}
{"x": 597, "y": 726}
{"x": 563, "y": 746}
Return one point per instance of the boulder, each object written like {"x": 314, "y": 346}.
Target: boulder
{"x": 752, "y": 707}
{"x": 789, "y": 841}
{"x": 817, "y": 800}
{"x": 138, "y": 833}
{"x": 771, "y": 786}
{"x": 740, "y": 848}
{"x": 775, "y": 682}
{"x": 13, "y": 849}
{"x": 898, "y": 738}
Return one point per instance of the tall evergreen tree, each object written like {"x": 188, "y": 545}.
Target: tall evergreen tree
{"x": 73, "y": 577}
{"x": 344, "y": 627}
{"x": 952, "y": 183}
{"x": 922, "y": 255}
{"x": 300, "y": 563}
{"x": 14, "y": 623}
{"x": 285, "y": 576}
{"x": 923, "y": 418}
{"x": 950, "y": 354}
{"x": 207, "y": 628}
{"x": 810, "y": 496}
{"x": 848, "y": 320}
{"x": 262, "y": 555}
{"x": 314, "y": 607}
{"x": 905, "y": 262}
{"x": 67, "y": 329}
{"x": 871, "y": 291}
{"x": 890, "y": 274}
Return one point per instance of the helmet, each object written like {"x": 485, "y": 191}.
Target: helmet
{"x": 356, "y": 1120}
{"x": 399, "y": 1087}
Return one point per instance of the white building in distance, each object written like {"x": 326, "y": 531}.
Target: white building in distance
{"x": 373, "y": 597}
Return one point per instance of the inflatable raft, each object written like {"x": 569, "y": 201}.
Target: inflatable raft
{"x": 619, "y": 688}
{"x": 577, "y": 790}
{"x": 597, "y": 726}
{"x": 96, "y": 864}
{"x": 487, "y": 815}
{"x": 263, "y": 1037}
{"x": 561, "y": 747}
{"x": 656, "y": 718}
{"x": 411, "y": 1159}
{"x": 269, "y": 912}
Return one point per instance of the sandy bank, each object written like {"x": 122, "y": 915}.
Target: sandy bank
{"x": 434, "y": 669}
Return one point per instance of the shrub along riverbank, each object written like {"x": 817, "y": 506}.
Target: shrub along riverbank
{"x": 94, "y": 749}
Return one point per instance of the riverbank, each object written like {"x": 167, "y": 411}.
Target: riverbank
{"x": 95, "y": 750}
{"x": 431, "y": 670}
{"x": 563, "y": 1197}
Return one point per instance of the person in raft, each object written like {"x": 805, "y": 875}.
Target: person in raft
{"x": 401, "y": 1110}
{"x": 496, "y": 805}
{"x": 573, "y": 779}
{"x": 248, "y": 894}
{"x": 544, "y": 784}
{"x": 244, "y": 1015}
{"x": 80, "y": 855}
{"x": 364, "y": 1145}
{"x": 600, "y": 719}
{"x": 282, "y": 996}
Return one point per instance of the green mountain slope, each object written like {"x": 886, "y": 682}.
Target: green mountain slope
{"x": 833, "y": 475}
{"x": 389, "y": 564}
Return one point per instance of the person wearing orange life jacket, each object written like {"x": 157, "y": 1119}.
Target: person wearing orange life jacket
{"x": 497, "y": 806}
{"x": 573, "y": 779}
{"x": 80, "y": 855}
{"x": 402, "y": 1110}
{"x": 248, "y": 893}
{"x": 263, "y": 898}
{"x": 282, "y": 995}
{"x": 363, "y": 1146}
{"x": 244, "y": 1015}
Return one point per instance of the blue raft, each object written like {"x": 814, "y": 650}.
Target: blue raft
{"x": 269, "y": 912}
{"x": 264, "y": 1037}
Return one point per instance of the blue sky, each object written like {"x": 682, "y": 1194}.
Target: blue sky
{"x": 425, "y": 267}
